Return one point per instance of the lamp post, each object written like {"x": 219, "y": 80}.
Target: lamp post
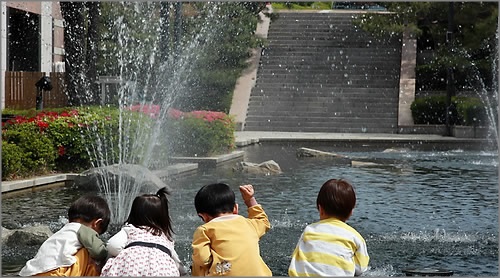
{"x": 450, "y": 84}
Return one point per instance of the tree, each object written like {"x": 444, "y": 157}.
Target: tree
{"x": 189, "y": 53}
{"x": 81, "y": 21}
{"x": 93, "y": 48}
{"x": 474, "y": 38}
{"x": 225, "y": 48}
{"x": 74, "y": 42}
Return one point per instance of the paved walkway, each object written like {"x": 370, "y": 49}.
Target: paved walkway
{"x": 244, "y": 138}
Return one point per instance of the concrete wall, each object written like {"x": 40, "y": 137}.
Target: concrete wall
{"x": 244, "y": 84}
{"x": 407, "y": 79}
{"x": 52, "y": 37}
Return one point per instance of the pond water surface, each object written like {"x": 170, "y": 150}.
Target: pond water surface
{"x": 416, "y": 209}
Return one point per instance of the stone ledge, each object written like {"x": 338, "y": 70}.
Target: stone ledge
{"x": 183, "y": 165}
{"x": 210, "y": 162}
{"x": 8, "y": 186}
{"x": 246, "y": 142}
{"x": 176, "y": 169}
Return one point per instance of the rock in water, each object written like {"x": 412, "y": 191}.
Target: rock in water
{"x": 267, "y": 167}
{"x": 119, "y": 173}
{"x": 30, "y": 236}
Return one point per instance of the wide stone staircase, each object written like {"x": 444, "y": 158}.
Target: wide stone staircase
{"x": 321, "y": 73}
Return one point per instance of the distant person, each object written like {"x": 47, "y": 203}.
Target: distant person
{"x": 228, "y": 243}
{"x": 76, "y": 249}
{"x": 144, "y": 246}
{"x": 330, "y": 247}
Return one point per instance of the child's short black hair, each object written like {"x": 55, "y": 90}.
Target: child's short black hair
{"x": 151, "y": 211}
{"x": 215, "y": 199}
{"x": 90, "y": 207}
{"x": 337, "y": 198}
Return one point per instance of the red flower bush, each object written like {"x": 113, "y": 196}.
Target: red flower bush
{"x": 200, "y": 133}
{"x": 151, "y": 110}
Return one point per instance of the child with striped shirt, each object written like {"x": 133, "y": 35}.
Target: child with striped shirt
{"x": 330, "y": 247}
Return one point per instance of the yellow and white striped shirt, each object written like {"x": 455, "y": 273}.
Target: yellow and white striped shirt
{"x": 329, "y": 247}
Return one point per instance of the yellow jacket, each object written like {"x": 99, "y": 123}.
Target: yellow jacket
{"x": 229, "y": 245}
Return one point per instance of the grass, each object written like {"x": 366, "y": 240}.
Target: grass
{"x": 302, "y": 5}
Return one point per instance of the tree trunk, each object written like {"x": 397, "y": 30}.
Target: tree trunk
{"x": 92, "y": 50}
{"x": 165, "y": 37}
{"x": 74, "y": 46}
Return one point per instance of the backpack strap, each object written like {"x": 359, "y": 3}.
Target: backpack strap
{"x": 151, "y": 245}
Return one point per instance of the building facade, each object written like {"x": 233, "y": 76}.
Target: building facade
{"x": 31, "y": 38}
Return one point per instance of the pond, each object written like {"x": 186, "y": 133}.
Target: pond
{"x": 415, "y": 208}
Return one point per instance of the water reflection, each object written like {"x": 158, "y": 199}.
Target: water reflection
{"x": 421, "y": 209}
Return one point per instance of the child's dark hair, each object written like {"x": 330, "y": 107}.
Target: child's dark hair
{"x": 214, "y": 199}
{"x": 337, "y": 198}
{"x": 90, "y": 207}
{"x": 151, "y": 211}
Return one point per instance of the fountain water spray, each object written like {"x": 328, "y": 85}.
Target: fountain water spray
{"x": 147, "y": 79}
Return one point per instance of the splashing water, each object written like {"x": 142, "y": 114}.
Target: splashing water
{"x": 148, "y": 78}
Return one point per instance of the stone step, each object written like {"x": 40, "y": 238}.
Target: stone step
{"x": 352, "y": 109}
{"x": 317, "y": 90}
{"x": 366, "y": 111}
{"x": 318, "y": 61}
{"x": 285, "y": 66}
{"x": 329, "y": 74}
{"x": 298, "y": 97}
{"x": 307, "y": 49}
{"x": 273, "y": 125}
{"x": 332, "y": 103}
{"x": 323, "y": 34}
{"x": 259, "y": 101}
{"x": 321, "y": 73}
{"x": 300, "y": 83}
{"x": 324, "y": 119}
{"x": 288, "y": 88}
{"x": 360, "y": 129}
{"x": 360, "y": 43}
{"x": 333, "y": 123}
{"x": 339, "y": 72}
{"x": 322, "y": 100}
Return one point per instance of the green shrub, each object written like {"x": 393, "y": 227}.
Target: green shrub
{"x": 200, "y": 133}
{"x": 12, "y": 160}
{"x": 429, "y": 110}
{"x": 108, "y": 135}
{"x": 74, "y": 139}
{"x": 464, "y": 110}
{"x": 472, "y": 111}
{"x": 39, "y": 153}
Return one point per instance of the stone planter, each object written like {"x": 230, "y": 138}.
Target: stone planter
{"x": 470, "y": 131}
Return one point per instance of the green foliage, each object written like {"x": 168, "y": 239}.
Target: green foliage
{"x": 140, "y": 44}
{"x": 223, "y": 54}
{"x": 37, "y": 150}
{"x": 302, "y": 5}
{"x": 106, "y": 132}
{"x": 465, "y": 110}
{"x": 472, "y": 111}
{"x": 429, "y": 110}
{"x": 71, "y": 140}
{"x": 200, "y": 133}
{"x": 12, "y": 161}
{"x": 119, "y": 55}
{"x": 473, "y": 45}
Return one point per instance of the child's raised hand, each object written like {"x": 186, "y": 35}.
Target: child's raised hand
{"x": 247, "y": 193}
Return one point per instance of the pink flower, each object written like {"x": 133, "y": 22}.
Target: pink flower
{"x": 152, "y": 110}
{"x": 175, "y": 113}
